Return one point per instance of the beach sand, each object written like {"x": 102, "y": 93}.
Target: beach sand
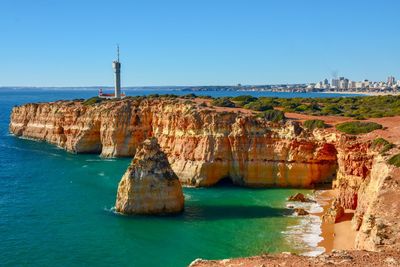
{"x": 338, "y": 236}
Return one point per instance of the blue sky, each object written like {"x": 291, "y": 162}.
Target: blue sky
{"x": 203, "y": 42}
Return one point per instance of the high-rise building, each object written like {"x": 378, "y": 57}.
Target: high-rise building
{"x": 391, "y": 80}
{"x": 335, "y": 83}
{"x": 326, "y": 82}
{"x": 343, "y": 83}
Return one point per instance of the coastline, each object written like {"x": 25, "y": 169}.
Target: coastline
{"x": 337, "y": 236}
{"x": 359, "y": 93}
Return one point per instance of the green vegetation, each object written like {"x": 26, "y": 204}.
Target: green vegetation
{"x": 242, "y": 100}
{"x": 360, "y": 107}
{"x": 358, "y": 127}
{"x": 314, "y": 124}
{"x": 223, "y": 102}
{"x": 382, "y": 144}
{"x": 272, "y": 115}
{"x": 395, "y": 160}
{"x": 258, "y": 106}
{"x": 92, "y": 101}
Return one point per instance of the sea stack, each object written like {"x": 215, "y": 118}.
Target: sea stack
{"x": 149, "y": 186}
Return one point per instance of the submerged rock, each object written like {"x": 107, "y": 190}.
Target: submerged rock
{"x": 299, "y": 197}
{"x": 300, "y": 212}
{"x": 149, "y": 186}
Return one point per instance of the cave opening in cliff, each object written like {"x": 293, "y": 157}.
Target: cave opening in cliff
{"x": 225, "y": 181}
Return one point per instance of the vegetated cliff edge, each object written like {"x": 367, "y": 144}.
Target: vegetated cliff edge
{"x": 205, "y": 145}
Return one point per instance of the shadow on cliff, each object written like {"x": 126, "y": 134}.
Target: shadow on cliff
{"x": 222, "y": 212}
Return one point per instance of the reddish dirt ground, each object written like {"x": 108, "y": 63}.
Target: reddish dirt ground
{"x": 390, "y": 132}
{"x": 336, "y": 258}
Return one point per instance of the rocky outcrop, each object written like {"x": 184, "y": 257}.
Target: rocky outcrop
{"x": 334, "y": 213}
{"x": 203, "y": 146}
{"x": 149, "y": 186}
{"x": 370, "y": 186}
{"x": 299, "y": 197}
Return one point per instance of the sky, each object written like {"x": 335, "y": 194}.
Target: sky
{"x": 197, "y": 42}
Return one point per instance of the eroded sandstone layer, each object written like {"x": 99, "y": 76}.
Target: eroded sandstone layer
{"x": 203, "y": 146}
{"x": 149, "y": 186}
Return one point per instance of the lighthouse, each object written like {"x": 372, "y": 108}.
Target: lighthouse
{"x": 117, "y": 73}
{"x": 117, "y": 76}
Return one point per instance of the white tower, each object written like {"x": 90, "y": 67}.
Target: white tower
{"x": 117, "y": 70}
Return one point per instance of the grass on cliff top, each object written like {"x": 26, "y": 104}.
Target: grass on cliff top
{"x": 92, "y": 100}
{"x": 395, "y": 160}
{"x": 360, "y": 107}
{"x": 315, "y": 124}
{"x": 272, "y": 115}
{"x": 358, "y": 127}
{"x": 382, "y": 144}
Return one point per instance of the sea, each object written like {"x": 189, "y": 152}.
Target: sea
{"x": 56, "y": 208}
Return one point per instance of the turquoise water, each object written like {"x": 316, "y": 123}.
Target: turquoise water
{"x": 56, "y": 210}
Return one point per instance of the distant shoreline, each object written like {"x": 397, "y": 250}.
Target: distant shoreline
{"x": 359, "y": 93}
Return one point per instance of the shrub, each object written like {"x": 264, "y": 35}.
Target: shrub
{"x": 223, "y": 102}
{"x": 395, "y": 160}
{"x": 243, "y": 100}
{"x": 92, "y": 101}
{"x": 358, "y": 127}
{"x": 258, "y": 106}
{"x": 314, "y": 124}
{"x": 272, "y": 115}
{"x": 203, "y": 104}
{"x": 330, "y": 110}
{"x": 189, "y": 96}
{"x": 382, "y": 144}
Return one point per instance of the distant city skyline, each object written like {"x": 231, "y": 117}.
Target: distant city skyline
{"x": 187, "y": 43}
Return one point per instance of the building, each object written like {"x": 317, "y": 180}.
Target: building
{"x": 117, "y": 77}
{"x": 343, "y": 83}
{"x": 335, "y": 83}
{"x": 391, "y": 81}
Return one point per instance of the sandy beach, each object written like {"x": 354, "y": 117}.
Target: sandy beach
{"x": 338, "y": 236}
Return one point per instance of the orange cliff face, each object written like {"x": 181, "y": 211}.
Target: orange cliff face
{"x": 203, "y": 145}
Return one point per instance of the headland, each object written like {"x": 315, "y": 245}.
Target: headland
{"x": 272, "y": 143}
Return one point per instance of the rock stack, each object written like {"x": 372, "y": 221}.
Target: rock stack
{"x": 149, "y": 186}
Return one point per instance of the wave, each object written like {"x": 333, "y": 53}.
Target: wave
{"x": 112, "y": 210}
{"x": 308, "y": 230}
{"x": 30, "y": 150}
{"x": 98, "y": 160}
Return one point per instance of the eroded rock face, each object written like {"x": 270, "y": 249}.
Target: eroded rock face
{"x": 334, "y": 213}
{"x": 149, "y": 186}
{"x": 202, "y": 145}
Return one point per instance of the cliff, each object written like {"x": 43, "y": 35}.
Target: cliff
{"x": 205, "y": 144}
{"x": 149, "y": 186}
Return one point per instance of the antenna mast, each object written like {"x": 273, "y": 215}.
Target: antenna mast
{"x": 118, "y": 52}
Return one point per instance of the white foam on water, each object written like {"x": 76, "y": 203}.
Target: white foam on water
{"x": 101, "y": 173}
{"x": 112, "y": 209}
{"x": 308, "y": 231}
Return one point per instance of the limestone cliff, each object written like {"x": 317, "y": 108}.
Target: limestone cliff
{"x": 149, "y": 186}
{"x": 203, "y": 145}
